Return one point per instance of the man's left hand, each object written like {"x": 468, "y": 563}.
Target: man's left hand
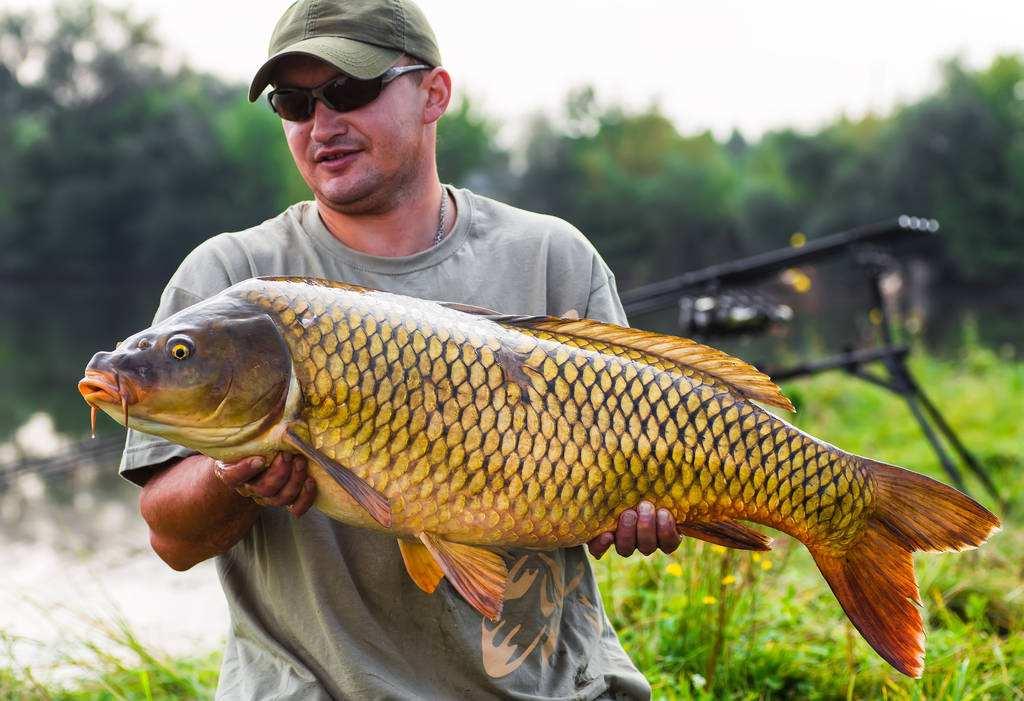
{"x": 642, "y": 529}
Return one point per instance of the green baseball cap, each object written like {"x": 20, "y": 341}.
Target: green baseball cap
{"x": 361, "y": 38}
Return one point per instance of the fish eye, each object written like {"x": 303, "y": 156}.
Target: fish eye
{"x": 180, "y": 347}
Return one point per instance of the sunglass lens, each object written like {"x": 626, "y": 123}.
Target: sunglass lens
{"x": 293, "y": 106}
{"x": 351, "y": 94}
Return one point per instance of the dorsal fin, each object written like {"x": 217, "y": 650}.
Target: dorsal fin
{"x": 748, "y": 380}
{"x": 572, "y": 314}
{"x": 470, "y": 308}
{"x": 314, "y": 282}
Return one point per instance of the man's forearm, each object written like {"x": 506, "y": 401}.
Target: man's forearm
{"x": 193, "y": 515}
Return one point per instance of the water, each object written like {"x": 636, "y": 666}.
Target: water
{"x": 72, "y": 544}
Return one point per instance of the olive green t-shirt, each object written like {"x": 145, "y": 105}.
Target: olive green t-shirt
{"x": 323, "y": 610}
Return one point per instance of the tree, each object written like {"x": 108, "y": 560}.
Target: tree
{"x": 959, "y": 155}
{"x": 116, "y": 166}
{"x": 654, "y": 202}
{"x": 467, "y": 150}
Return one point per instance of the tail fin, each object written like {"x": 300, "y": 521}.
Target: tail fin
{"x": 874, "y": 579}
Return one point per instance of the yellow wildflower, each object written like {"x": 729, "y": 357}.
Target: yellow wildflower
{"x": 728, "y": 579}
{"x": 756, "y": 557}
{"x": 674, "y": 569}
{"x": 710, "y": 600}
{"x": 766, "y": 565}
{"x": 717, "y": 549}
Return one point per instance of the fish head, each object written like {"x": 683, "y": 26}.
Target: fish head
{"x": 212, "y": 375}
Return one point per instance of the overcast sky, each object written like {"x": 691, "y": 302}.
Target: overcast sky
{"x": 718, "y": 65}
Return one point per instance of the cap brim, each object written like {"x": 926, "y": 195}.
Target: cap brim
{"x": 354, "y": 58}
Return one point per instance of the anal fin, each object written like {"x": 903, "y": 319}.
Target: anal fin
{"x": 369, "y": 498}
{"x": 478, "y": 574}
{"x": 726, "y": 532}
{"x": 420, "y": 565}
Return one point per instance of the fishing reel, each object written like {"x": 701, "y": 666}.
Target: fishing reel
{"x": 730, "y": 313}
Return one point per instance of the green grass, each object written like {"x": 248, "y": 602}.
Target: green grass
{"x": 710, "y": 623}
{"x": 112, "y": 664}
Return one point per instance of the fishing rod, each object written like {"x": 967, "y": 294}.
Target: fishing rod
{"x": 665, "y": 293}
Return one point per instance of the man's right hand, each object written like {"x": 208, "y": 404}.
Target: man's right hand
{"x": 285, "y": 483}
{"x": 197, "y": 508}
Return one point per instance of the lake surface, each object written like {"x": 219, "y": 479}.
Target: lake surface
{"x": 72, "y": 544}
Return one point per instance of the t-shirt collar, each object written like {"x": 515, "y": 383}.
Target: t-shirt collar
{"x": 392, "y": 265}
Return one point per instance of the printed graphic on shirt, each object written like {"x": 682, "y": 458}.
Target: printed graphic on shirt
{"x": 507, "y": 644}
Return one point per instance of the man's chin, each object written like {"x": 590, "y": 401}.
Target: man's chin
{"x": 349, "y": 198}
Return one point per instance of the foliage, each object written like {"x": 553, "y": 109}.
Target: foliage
{"x": 467, "y": 152}
{"x": 644, "y": 194}
{"x": 960, "y": 153}
{"x": 113, "y": 163}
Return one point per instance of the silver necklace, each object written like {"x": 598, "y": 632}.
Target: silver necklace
{"x": 440, "y": 217}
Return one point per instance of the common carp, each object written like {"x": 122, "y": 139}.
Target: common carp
{"x": 463, "y": 431}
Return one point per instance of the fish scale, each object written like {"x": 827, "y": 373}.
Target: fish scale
{"x": 462, "y": 432}
{"x": 426, "y": 414}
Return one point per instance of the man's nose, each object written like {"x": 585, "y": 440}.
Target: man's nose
{"x": 327, "y": 123}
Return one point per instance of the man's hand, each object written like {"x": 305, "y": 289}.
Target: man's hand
{"x": 285, "y": 483}
{"x": 640, "y": 529}
{"x": 197, "y": 508}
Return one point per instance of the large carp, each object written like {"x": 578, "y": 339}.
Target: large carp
{"x": 462, "y": 431}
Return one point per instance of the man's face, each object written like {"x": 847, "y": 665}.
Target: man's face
{"x": 364, "y": 160}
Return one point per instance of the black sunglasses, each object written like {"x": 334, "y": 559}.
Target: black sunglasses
{"x": 341, "y": 94}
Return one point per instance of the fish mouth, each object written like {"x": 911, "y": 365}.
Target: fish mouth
{"x": 97, "y": 387}
{"x": 100, "y": 387}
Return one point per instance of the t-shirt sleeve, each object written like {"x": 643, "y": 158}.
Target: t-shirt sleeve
{"x": 204, "y": 272}
{"x": 603, "y": 303}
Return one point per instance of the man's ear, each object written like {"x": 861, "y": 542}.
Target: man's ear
{"x": 438, "y": 84}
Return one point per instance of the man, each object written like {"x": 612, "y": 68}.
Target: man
{"x": 319, "y": 609}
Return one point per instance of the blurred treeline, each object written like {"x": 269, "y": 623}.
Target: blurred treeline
{"x": 115, "y": 163}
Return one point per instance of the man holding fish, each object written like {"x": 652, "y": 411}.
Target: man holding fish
{"x": 319, "y": 609}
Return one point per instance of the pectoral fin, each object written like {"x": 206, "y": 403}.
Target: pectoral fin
{"x": 478, "y": 574}
{"x": 367, "y": 497}
{"x": 420, "y": 565}
{"x": 727, "y": 533}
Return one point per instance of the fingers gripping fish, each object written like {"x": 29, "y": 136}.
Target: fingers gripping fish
{"x": 463, "y": 432}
